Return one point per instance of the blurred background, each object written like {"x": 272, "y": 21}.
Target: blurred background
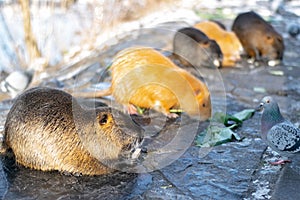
{"x": 37, "y": 34}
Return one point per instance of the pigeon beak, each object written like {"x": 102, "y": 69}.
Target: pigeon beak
{"x": 260, "y": 107}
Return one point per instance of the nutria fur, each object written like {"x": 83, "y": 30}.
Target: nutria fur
{"x": 48, "y": 130}
{"x": 220, "y": 24}
{"x": 192, "y": 47}
{"x": 145, "y": 78}
{"x": 259, "y": 38}
{"x": 229, "y": 43}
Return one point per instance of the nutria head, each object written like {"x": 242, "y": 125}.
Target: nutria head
{"x": 204, "y": 104}
{"x": 273, "y": 48}
{"x": 109, "y": 135}
{"x": 215, "y": 53}
{"x": 196, "y": 48}
{"x": 198, "y": 105}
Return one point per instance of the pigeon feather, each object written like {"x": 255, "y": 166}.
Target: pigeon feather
{"x": 285, "y": 137}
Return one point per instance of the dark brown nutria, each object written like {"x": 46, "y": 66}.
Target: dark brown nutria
{"x": 48, "y": 130}
{"x": 259, "y": 39}
{"x": 192, "y": 46}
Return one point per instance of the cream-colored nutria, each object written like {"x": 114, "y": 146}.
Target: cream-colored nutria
{"x": 229, "y": 43}
{"x": 145, "y": 78}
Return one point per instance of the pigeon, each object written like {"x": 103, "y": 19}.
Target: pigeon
{"x": 278, "y": 133}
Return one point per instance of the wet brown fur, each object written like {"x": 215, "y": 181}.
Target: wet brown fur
{"x": 193, "y": 48}
{"x": 48, "y": 130}
{"x": 259, "y": 38}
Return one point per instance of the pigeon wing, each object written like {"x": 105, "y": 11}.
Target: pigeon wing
{"x": 285, "y": 137}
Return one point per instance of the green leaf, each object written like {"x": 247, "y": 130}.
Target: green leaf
{"x": 227, "y": 135}
{"x": 215, "y": 135}
{"x": 245, "y": 114}
{"x": 140, "y": 110}
{"x": 226, "y": 119}
{"x": 219, "y": 117}
{"x": 233, "y": 121}
{"x": 220, "y": 129}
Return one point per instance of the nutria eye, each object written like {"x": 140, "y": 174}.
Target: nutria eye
{"x": 103, "y": 119}
{"x": 203, "y": 105}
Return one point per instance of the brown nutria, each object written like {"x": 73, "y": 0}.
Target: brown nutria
{"x": 193, "y": 46}
{"x": 48, "y": 130}
{"x": 145, "y": 78}
{"x": 229, "y": 43}
{"x": 259, "y": 38}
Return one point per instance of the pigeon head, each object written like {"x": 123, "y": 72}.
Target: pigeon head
{"x": 270, "y": 114}
{"x": 269, "y": 105}
{"x": 266, "y": 103}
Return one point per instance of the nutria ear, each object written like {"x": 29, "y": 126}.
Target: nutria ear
{"x": 269, "y": 39}
{"x": 197, "y": 92}
{"x": 279, "y": 39}
{"x": 204, "y": 44}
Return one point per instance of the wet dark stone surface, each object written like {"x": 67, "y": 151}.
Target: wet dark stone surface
{"x": 24, "y": 183}
{"x": 287, "y": 186}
